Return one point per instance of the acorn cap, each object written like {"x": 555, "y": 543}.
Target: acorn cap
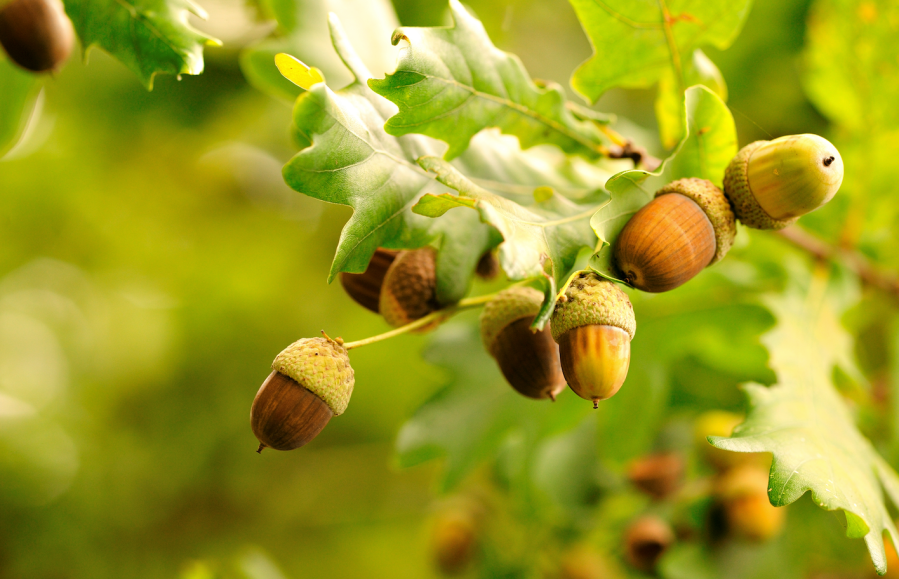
{"x": 509, "y": 305}
{"x": 410, "y": 286}
{"x": 322, "y": 366}
{"x": 714, "y": 204}
{"x": 590, "y": 300}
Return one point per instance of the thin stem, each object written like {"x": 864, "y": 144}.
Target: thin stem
{"x": 439, "y": 315}
{"x": 855, "y": 261}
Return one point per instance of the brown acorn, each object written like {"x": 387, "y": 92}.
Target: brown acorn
{"x": 410, "y": 286}
{"x": 529, "y": 360}
{"x": 488, "y": 266}
{"x": 645, "y": 541}
{"x": 365, "y": 288}
{"x": 594, "y": 324}
{"x": 311, "y": 382}
{"x": 36, "y": 34}
{"x": 454, "y": 541}
{"x": 657, "y": 475}
{"x": 742, "y": 491}
{"x": 687, "y": 227}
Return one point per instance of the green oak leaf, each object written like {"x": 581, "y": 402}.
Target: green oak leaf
{"x": 541, "y": 240}
{"x": 635, "y": 43}
{"x": 303, "y": 33}
{"x": 452, "y": 82}
{"x": 709, "y": 145}
{"x": 18, "y": 94}
{"x": 147, "y": 36}
{"x": 348, "y": 159}
{"x": 669, "y": 101}
{"x": 808, "y": 428}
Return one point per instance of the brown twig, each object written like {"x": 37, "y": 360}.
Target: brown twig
{"x": 820, "y": 249}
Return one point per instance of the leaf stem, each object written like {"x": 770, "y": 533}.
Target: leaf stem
{"x": 437, "y": 316}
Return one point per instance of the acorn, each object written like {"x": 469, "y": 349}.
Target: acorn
{"x": 772, "y": 183}
{"x": 36, "y": 34}
{"x": 645, "y": 541}
{"x": 488, "y": 266}
{"x": 365, "y": 288}
{"x": 657, "y": 475}
{"x": 454, "y": 540}
{"x": 742, "y": 491}
{"x": 529, "y": 360}
{"x": 688, "y": 226}
{"x": 594, "y": 323}
{"x": 312, "y": 380}
{"x": 410, "y": 286}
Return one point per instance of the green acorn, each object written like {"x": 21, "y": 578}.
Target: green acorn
{"x": 688, "y": 226}
{"x": 529, "y": 360}
{"x": 594, "y": 324}
{"x": 311, "y": 382}
{"x": 772, "y": 183}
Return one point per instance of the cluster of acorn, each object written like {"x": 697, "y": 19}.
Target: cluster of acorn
{"x": 36, "y": 34}
{"x": 689, "y": 225}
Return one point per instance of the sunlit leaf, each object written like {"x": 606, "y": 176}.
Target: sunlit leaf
{"x": 636, "y": 43}
{"x": 669, "y": 113}
{"x": 709, "y": 145}
{"x": 808, "y": 428}
{"x": 452, "y": 82}
{"x": 298, "y": 72}
{"x": 147, "y": 36}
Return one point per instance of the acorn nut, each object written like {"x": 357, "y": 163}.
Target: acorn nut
{"x": 772, "y": 183}
{"x": 657, "y": 475}
{"x": 365, "y": 288}
{"x": 529, "y": 360}
{"x": 36, "y": 34}
{"x": 742, "y": 491}
{"x": 311, "y": 382}
{"x": 410, "y": 286}
{"x": 594, "y": 325}
{"x": 688, "y": 226}
{"x": 645, "y": 541}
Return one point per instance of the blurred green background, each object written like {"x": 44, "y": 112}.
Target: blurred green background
{"x": 152, "y": 264}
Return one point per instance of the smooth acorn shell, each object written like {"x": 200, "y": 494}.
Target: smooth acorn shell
{"x": 595, "y": 360}
{"x": 410, "y": 285}
{"x": 665, "y": 244}
{"x": 645, "y": 541}
{"x": 285, "y": 416}
{"x": 529, "y": 360}
{"x": 36, "y": 34}
{"x": 365, "y": 288}
{"x": 657, "y": 475}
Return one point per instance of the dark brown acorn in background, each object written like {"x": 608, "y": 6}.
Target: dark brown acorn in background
{"x": 687, "y": 227}
{"x": 409, "y": 291}
{"x": 529, "y": 360}
{"x": 311, "y": 382}
{"x": 594, "y": 323}
{"x": 36, "y": 34}
{"x": 645, "y": 541}
{"x": 772, "y": 183}
{"x": 365, "y": 288}
{"x": 488, "y": 266}
{"x": 657, "y": 475}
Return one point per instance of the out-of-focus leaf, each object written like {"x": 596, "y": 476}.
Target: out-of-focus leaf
{"x": 709, "y": 145}
{"x": 452, "y": 82}
{"x": 804, "y": 423}
{"x": 350, "y": 160}
{"x": 18, "y": 94}
{"x": 303, "y": 32}
{"x": 539, "y": 239}
{"x": 852, "y": 74}
{"x": 147, "y": 36}
{"x": 697, "y": 70}
{"x": 468, "y": 420}
{"x": 636, "y": 43}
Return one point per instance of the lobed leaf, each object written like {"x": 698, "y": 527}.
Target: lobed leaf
{"x": 452, "y": 82}
{"x": 808, "y": 428}
{"x": 709, "y": 145}
{"x": 147, "y": 36}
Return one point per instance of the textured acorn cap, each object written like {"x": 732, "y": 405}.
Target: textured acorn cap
{"x": 409, "y": 288}
{"x": 509, "y": 305}
{"x": 590, "y": 300}
{"x": 715, "y": 206}
{"x": 322, "y": 366}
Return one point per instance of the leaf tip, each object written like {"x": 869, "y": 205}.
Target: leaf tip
{"x": 297, "y": 72}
